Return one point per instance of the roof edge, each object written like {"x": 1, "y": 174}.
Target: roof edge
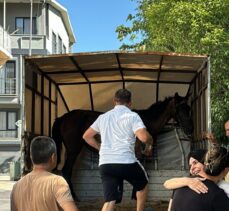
{"x": 120, "y": 52}
{"x": 64, "y": 13}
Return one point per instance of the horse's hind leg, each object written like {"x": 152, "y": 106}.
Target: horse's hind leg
{"x": 67, "y": 171}
{"x": 72, "y": 154}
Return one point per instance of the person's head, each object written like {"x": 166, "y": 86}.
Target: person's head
{"x": 216, "y": 161}
{"x": 43, "y": 151}
{"x": 196, "y": 161}
{"x": 227, "y": 128}
{"x": 122, "y": 97}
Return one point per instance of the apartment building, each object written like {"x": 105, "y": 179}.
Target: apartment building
{"x": 51, "y": 33}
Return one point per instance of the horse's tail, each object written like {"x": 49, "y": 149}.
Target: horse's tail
{"x": 57, "y": 137}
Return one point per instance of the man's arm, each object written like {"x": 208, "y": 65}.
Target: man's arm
{"x": 89, "y": 137}
{"x": 69, "y": 206}
{"x": 63, "y": 194}
{"x": 195, "y": 184}
{"x": 144, "y": 136}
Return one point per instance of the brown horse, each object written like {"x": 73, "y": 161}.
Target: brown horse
{"x": 69, "y": 128}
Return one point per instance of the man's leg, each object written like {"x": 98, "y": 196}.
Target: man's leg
{"x": 141, "y": 198}
{"x": 109, "y": 206}
{"x": 111, "y": 185}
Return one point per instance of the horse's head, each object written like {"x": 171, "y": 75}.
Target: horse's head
{"x": 182, "y": 113}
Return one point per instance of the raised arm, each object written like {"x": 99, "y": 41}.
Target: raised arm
{"x": 144, "y": 136}
{"x": 89, "y": 137}
{"x": 195, "y": 184}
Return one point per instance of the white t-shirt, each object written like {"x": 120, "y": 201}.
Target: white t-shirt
{"x": 225, "y": 186}
{"x": 117, "y": 128}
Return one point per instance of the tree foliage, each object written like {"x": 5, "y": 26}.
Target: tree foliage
{"x": 184, "y": 26}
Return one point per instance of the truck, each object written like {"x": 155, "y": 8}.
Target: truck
{"x": 56, "y": 84}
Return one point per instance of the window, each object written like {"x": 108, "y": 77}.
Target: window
{"x": 54, "y": 43}
{"x": 8, "y": 78}
{"x": 8, "y": 128}
{"x": 23, "y": 26}
{"x": 59, "y": 45}
{"x": 64, "y": 49}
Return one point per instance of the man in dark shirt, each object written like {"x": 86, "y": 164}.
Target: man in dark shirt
{"x": 185, "y": 199}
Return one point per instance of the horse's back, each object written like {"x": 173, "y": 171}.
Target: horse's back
{"x": 76, "y": 121}
{"x": 84, "y": 118}
{"x": 69, "y": 128}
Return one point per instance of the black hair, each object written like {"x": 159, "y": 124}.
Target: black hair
{"x": 216, "y": 160}
{"x": 41, "y": 149}
{"x": 123, "y": 96}
{"x": 198, "y": 155}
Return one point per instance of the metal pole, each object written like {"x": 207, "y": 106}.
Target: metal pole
{"x": 209, "y": 97}
{"x": 31, "y": 28}
{"x": 22, "y": 136}
{"x": 4, "y": 22}
{"x": 181, "y": 150}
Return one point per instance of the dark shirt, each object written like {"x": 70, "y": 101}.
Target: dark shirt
{"x": 185, "y": 199}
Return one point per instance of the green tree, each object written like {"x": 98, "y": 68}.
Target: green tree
{"x": 197, "y": 26}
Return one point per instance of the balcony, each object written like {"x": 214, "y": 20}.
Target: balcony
{"x": 8, "y": 134}
{"x": 7, "y": 86}
{"x": 5, "y": 47}
{"x": 21, "y": 41}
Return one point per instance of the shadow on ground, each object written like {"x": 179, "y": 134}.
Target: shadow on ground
{"x": 124, "y": 206}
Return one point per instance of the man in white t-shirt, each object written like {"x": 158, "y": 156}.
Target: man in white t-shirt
{"x": 119, "y": 128}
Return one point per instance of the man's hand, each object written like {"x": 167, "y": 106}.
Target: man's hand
{"x": 143, "y": 135}
{"x": 148, "y": 151}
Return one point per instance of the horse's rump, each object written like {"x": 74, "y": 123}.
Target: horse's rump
{"x": 70, "y": 127}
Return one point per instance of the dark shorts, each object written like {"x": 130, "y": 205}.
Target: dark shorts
{"x": 113, "y": 175}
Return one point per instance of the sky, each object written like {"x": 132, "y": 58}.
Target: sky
{"x": 94, "y": 22}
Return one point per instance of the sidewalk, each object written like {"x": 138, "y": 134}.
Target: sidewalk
{"x": 5, "y": 189}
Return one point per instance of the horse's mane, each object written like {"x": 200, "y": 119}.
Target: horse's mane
{"x": 156, "y": 109}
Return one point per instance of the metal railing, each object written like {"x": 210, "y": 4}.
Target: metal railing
{"x": 8, "y": 134}
{"x": 7, "y": 86}
{"x": 21, "y": 41}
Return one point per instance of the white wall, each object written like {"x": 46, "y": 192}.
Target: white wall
{"x": 14, "y": 10}
{"x": 56, "y": 25}
{"x": 55, "y": 22}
